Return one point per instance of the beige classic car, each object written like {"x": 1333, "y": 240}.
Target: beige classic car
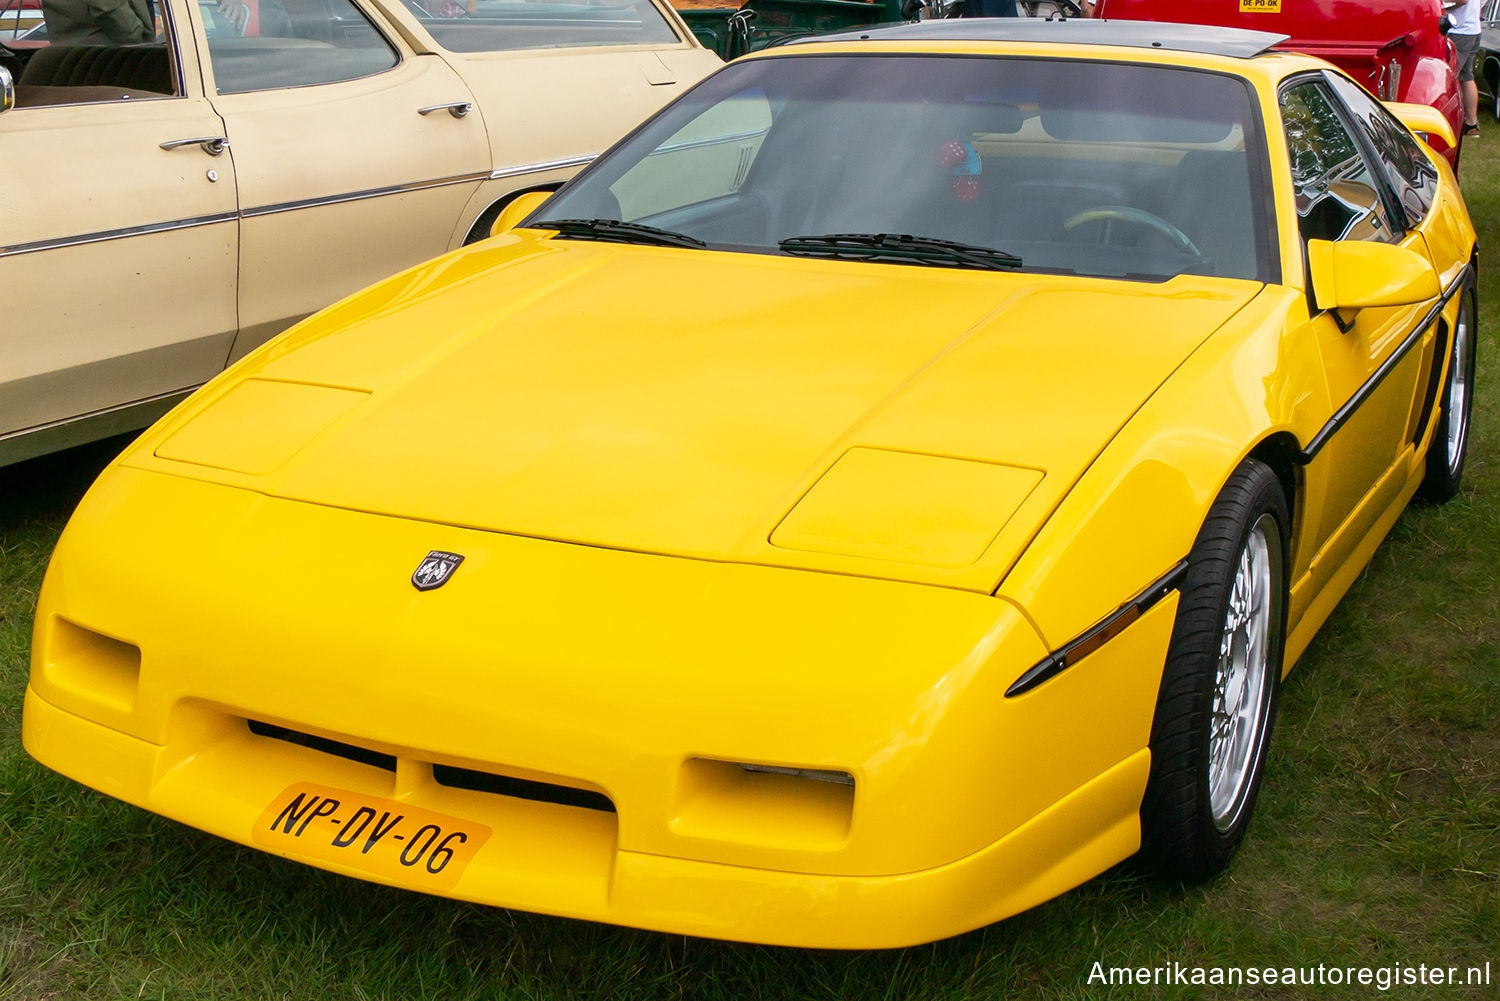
{"x": 180, "y": 180}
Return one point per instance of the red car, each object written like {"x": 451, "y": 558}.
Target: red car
{"x": 1396, "y": 48}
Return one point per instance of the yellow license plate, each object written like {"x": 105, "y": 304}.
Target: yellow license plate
{"x": 396, "y": 841}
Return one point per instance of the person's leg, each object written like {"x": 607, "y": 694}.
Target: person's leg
{"x": 1467, "y": 46}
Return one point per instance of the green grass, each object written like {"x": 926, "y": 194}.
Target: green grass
{"x": 1377, "y": 839}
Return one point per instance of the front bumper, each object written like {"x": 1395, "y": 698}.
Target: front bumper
{"x": 177, "y": 612}
{"x": 562, "y": 860}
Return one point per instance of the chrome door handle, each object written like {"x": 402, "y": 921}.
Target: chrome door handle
{"x": 457, "y": 109}
{"x": 212, "y": 145}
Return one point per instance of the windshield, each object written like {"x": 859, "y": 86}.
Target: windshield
{"x": 1083, "y": 167}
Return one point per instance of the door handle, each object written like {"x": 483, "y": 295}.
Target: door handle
{"x": 212, "y": 145}
{"x": 457, "y": 109}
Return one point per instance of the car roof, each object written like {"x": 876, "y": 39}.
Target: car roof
{"x": 1234, "y": 42}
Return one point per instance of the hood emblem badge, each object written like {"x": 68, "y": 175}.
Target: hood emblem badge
{"x": 435, "y": 569}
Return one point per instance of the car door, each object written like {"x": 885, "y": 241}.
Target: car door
{"x": 1372, "y": 374}
{"x": 119, "y": 241}
{"x": 1487, "y": 62}
{"x": 355, "y": 154}
{"x": 560, "y": 82}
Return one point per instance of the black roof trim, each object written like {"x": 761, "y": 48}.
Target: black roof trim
{"x": 1234, "y": 42}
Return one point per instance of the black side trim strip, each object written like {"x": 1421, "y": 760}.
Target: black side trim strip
{"x": 1342, "y": 415}
{"x": 1434, "y": 386}
{"x": 1098, "y": 634}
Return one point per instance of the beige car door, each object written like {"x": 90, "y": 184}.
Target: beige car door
{"x": 557, "y": 88}
{"x": 118, "y": 240}
{"x": 355, "y": 154}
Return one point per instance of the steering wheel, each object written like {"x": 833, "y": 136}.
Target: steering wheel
{"x": 1135, "y": 216}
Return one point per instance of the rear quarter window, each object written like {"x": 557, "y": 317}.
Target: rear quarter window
{"x": 506, "y": 25}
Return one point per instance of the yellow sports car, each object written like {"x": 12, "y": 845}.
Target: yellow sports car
{"x": 882, "y": 493}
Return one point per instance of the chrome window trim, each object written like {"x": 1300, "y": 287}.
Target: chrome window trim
{"x": 710, "y": 141}
{"x": 173, "y": 38}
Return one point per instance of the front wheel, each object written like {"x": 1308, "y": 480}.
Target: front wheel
{"x": 1217, "y": 701}
{"x": 1450, "y": 439}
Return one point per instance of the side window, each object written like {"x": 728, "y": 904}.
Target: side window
{"x": 503, "y": 25}
{"x": 707, "y": 158}
{"x": 1406, "y": 168}
{"x": 270, "y": 44}
{"x": 96, "y": 51}
{"x": 1338, "y": 196}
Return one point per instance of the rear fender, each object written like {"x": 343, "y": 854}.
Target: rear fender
{"x": 1433, "y": 82}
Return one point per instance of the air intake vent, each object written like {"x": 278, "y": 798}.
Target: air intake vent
{"x": 336, "y": 748}
{"x": 503, "y": 785}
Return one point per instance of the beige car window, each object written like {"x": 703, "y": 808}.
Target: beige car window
{"x": 501, "y": 25}
{"x": 707, "y": 158}
{"x": 96, "y": 51}
{"x": 271, "y": 44}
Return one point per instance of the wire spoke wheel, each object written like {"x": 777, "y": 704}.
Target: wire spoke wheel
{"x": 1217, "y": 703}
{"x": 1449, "y": 446}
{"x": 1238, "y": 720}
{"x": 1458, "y": 392}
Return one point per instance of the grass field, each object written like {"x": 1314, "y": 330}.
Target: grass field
{"x": 1377, "y": 840}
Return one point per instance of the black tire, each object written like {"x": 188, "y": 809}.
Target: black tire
{"x": 481, "y": 228}
{"x": 1449, "y": 449}
{"x": 486, "y": 221}
{"x": 1195, "y": 812}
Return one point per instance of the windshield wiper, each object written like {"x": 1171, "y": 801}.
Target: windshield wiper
{"x": 900, "y": 247}
{"x": 615, "y": 231}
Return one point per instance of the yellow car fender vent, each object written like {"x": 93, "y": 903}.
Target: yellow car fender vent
{"x": 768, "y": 806}
{"x": 906, "y": 507}
{"x": 91, "y": 674}
{"x": 258, "y": 425}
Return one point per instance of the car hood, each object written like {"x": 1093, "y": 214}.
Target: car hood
{"x": 886, "y": 420}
